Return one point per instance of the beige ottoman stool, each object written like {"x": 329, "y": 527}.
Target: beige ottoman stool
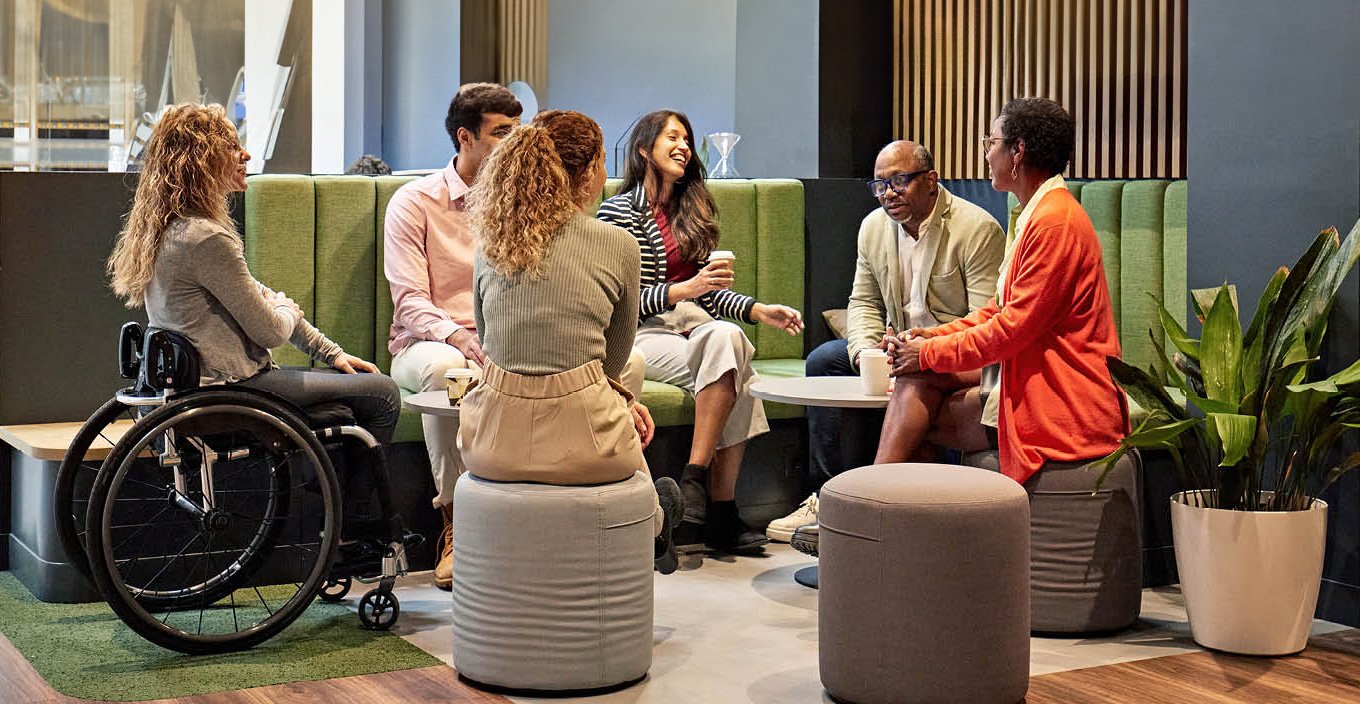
{"x": 924, "y": 585}
{"x": 1086, "y": 550}
{"x": 552, "y": 585}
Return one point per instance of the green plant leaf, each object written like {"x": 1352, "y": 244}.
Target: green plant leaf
{"x": 1209, "y": 405}
{"x": 1234, "y": 433}
{"x": 1253, "y": 342}
{"x": 1221, "y": 350}
{"x": 1274, "y": 339}
{"x": 1188, "y": 346}
{"x": 1158, "y": 435}
{"x": 1144, "y": 389}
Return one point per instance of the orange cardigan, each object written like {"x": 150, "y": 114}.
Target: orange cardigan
{"x": 1057, "y": 399}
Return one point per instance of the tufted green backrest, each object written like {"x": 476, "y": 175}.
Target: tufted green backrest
{"x": 319, "y": 238}
{"x": 761, "y": 221}
{"x": 1142, "y": 229}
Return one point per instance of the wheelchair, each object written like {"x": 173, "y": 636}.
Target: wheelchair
{"x": 218, "y": 515}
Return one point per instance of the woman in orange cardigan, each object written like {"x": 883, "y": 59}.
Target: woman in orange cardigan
{"x": 1051, "y": 326}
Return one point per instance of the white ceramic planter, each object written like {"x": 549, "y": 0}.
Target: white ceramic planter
{"x": 1250, "y": 578}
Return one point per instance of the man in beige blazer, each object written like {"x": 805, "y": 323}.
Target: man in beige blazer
{"x": 925, "y": 257}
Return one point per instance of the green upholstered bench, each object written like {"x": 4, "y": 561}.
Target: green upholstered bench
{"x": 319, "y": 238}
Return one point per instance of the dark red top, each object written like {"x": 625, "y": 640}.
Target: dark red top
{"x": 677, "y": 268}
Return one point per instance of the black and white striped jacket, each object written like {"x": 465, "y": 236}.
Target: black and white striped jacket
{"x": 632, "y": 212}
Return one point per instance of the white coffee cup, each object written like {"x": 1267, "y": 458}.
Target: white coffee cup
{"x": 726, "y": 255}
{"x": 459, "y": 378}
{"x": 873, "y": 371}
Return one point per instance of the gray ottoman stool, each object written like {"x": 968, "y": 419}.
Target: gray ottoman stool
{"x": 1086, "y": 555}
{"x": 924, "y": 585}
{"x": 552, "y": 585}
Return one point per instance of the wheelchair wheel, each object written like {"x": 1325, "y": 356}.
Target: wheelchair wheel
{"x": 379, "y": 610}
{"x": 334, "y": 590}
{"x": 75, "y": 478}
{"x": 214, "y": 522}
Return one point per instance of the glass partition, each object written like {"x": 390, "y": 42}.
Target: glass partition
{"x": 82, "y": 81}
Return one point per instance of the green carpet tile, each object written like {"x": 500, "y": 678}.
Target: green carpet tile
{"x": 84, "y": 651}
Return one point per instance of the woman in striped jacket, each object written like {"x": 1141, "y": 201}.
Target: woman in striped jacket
{"x": 666, "y": 206}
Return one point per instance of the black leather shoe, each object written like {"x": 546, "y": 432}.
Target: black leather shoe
{"x": 805, "y": 539}
{"x": 672, "y": 508}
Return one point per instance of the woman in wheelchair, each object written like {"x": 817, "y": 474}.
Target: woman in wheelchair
{"x": 218, "y": 517}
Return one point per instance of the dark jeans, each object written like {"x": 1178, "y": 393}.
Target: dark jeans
{"x": 838, "y": 438}
{"x": 373, "y": 398}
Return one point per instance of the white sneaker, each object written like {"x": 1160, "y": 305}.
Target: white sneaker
{"x": 781, "y": 529}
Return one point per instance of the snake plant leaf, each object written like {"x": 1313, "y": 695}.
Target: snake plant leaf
{"x": 1204, "y": 298}
{"x": 1221, "y": 350}
{"x": 1235, "y": 432}
{"x": 1276, "y": 338}
{"x": 1253, "y": 342}
{"x": 1346, "y": 377}
{"x": 1144, "y": 389}
{"x": 1188, "y": 346}
{"x": 1157, "y": 435}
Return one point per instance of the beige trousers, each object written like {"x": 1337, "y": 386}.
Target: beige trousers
{"x": 421, "y": 367}
{"x": 692, "y": 363}
{"x": 570, "y": 428}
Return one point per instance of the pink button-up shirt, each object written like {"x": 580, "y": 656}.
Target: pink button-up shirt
{"x": 427, "y": 257}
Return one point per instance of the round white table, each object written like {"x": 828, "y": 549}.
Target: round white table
{"x": 433, "y": 403}
{"x": 822, "y": 391}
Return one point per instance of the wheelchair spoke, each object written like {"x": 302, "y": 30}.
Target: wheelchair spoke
{"x": 140, "y": 527}
{"x": 172, "y": 561}
{"x": 262, "y": 601}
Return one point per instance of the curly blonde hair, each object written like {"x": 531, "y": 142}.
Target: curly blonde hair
{"x": 184, "y": 174}
{"x": 530, "y": 186}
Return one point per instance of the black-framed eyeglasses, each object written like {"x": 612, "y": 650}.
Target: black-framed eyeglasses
{"x": 897, "y": 182}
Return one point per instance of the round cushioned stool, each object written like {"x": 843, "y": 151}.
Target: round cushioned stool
{"x": 552, "y": 585}
{"x": 924, "y": 585}
{"x": 1086, "y": 550}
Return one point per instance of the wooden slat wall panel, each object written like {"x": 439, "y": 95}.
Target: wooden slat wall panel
{"x": 1117, "y": 65}
{"x": 523, "y": 46}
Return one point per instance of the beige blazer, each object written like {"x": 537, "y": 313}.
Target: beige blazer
{"x": 962, "y": 259}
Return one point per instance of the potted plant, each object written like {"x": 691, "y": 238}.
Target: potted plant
{"x": 1254, "y": 446}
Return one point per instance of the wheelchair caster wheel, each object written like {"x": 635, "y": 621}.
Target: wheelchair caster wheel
{"x": 335, "y": 589}
{"x": 378, "y": 610}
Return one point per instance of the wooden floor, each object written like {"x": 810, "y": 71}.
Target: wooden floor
{"x": 1328, "y": 672}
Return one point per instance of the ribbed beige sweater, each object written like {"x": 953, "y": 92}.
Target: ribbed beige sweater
{"x": 584, "y": 306}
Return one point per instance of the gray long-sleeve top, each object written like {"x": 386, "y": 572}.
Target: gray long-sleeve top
{"x": 202, "y": 289}
{"x": 584, "y": 307}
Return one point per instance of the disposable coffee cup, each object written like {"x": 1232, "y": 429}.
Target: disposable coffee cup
{"x": 726, "y": 255}
{"x": 458, "y": 383}
{"x": 873, "y": 372}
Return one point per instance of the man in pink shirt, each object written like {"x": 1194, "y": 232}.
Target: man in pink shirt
{"x": 428, "y": 249}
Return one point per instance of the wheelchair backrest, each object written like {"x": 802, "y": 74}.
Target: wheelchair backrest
{"x": 167, "y": 360}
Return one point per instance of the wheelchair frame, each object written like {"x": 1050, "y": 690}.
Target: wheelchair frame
{"x": 165, "y": 367}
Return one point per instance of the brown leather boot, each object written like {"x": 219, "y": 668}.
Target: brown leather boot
{"x": 443, "y": 571}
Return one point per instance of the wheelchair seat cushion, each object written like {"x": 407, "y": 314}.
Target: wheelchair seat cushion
{"x": 329, "y": 415}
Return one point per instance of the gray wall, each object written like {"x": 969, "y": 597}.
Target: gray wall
{"x": 777, "y": 88}
{"x": 420, "y": 62}
{"x": 1274, "y": 157}
{"x": 730, "y": 66}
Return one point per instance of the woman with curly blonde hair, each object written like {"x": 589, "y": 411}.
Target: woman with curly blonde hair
{"x": 555, "y": 295}
{"x": 179, "y": 255}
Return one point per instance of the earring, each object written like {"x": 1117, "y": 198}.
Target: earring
{"x": 1015, "y": 171}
